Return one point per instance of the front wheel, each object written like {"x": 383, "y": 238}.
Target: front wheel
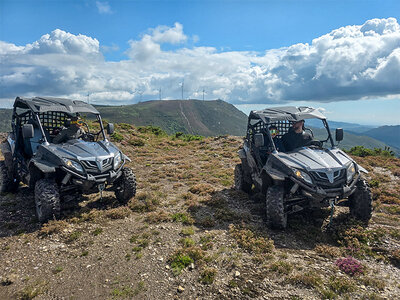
{"x": 275, "y": 211}
{"x": 125, "y": 188}
{"x": 361, "y": 202}
{"x": 7, "y": 183}
{"x": 47, "y": 200}
{"x": 240, "y": 180}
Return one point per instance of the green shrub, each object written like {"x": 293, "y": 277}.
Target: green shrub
{"x": 187, "y": 242}
{"x": 152, "y": 129}
{"x": 362, "y": 151}
{"x": 208, "y": 275}
{"x": 182, "y": 218}
{"x": 117, "y": 136}
{"x": 179, "y": 262}
{"x": 136, "y": 142}
{"x": 187, "y": 137}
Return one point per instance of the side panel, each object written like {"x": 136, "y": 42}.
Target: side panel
{"x": 44, "y": 166}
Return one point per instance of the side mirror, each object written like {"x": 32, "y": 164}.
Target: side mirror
{"x": 258, "y": 140}
{"x": 27, "y": 131}
{"x": 339, "y": 134}
{"x": 110, "y": 128}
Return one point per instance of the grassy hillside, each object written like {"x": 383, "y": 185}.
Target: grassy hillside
{"x": 388, "y": 134}
{"x": 5, "y": 119}
{"x": 188, "y": 234}
{"x": 207, "y": 118}
{"x": 351, "y": 140}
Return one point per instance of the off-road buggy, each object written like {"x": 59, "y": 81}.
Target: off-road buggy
{"x": 307, "y": 177}
{"x": 64, "y": 171}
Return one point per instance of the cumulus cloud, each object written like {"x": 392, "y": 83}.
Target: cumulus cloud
{"x": 351, "y": 62}
{"x": 149, "y": 45}
{"x": 103, "y": 7}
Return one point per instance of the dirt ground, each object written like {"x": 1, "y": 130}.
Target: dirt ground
{"x": 189, "y": 235}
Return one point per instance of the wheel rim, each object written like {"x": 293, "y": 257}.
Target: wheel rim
{"x": 39, "y": 209}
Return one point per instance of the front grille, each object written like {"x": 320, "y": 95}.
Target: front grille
{"x": 321, "y": 178}
{"x": 90, "y": 166}
{"x": 106, "y": 163}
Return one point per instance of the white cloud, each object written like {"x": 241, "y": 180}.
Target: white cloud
{"x": 103, "y": 7}
{"x": 149, "y": 45}
{"x": 352, "y": 62}
{"x": 165, "y": 34}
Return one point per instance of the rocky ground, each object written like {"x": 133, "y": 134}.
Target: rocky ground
{"x": 189, "y": 235}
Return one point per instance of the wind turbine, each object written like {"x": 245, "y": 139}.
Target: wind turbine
{"x": 182, "y": 84}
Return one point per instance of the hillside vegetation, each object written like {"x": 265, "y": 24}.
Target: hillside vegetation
{"x": 5, "y": 120}
{"x": 207, "y": 118}
{"x": 189, "y": 235}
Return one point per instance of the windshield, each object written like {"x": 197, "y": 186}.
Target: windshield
{"x": 285, "y": 136}
{"x": 59, "y": 127}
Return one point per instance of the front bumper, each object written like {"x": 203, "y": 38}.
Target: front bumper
{"x": 319, "y": 193}
{"x": 106, "y": 177}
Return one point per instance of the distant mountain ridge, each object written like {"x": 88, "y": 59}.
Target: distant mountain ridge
{"x": 353, "y": 127}
{"x": 388, "y": 134}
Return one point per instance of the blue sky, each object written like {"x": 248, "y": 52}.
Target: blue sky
{"x": 129, "y": 46}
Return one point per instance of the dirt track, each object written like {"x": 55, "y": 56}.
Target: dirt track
{"x": 185, "y": 207}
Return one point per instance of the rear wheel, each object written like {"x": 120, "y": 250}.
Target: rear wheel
{"x": 276, "y": 216}
{"x": 241, "y": 184}
{"x": 361, "y": 202}
{"x": 47, "y": 200}
{"x": 125, "y": 186}
{"x": 7, "y": 182}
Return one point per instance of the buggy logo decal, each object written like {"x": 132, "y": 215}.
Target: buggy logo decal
{"x": 99, "y": 164}
{"x": 329, "y": 174}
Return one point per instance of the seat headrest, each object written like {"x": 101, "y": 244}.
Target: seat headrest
{"x": 259, "y": 140}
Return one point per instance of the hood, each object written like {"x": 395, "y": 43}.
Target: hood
{"x": 315, "y": 159}
{"x": 81, "y": 150}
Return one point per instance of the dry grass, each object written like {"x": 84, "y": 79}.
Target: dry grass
{"x": 118, "y": 213}
{"x": 53, "y": 227}
{"x": 250, "y": 241}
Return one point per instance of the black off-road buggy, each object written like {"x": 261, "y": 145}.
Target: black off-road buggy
{"x": 61, "y": 172}
{"x": 307, "y": 177}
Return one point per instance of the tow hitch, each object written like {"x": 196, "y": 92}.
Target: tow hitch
{"x": 332, "y": 203}
{"x": 101, "y": 187}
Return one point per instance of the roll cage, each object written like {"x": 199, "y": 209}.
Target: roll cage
{"x": 282, "y": 118}
{"x": 47, "y": 115}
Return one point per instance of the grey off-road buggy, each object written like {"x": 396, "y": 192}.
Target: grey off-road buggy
{"x": 311, "y": 176}
{"x": 64, "y": 171}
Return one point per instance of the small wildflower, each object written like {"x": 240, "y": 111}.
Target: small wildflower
{"x": 350, "y": 266}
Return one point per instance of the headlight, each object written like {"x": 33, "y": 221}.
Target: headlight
{"x": 351, "y": 171}
{"x": 302, "y": 175}
{"x": 117, "y": 160}
{"x": 71, "y": 164}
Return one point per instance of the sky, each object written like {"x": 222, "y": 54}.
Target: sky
{"x": 340, "y": 56}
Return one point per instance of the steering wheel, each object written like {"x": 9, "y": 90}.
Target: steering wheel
{"x": 309, "y": 129}
{"x": 91, "y": 137}
{"x": 88, "y": 137}
{"x": 313, "y": 143}
{"x": 56, "y": 131}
